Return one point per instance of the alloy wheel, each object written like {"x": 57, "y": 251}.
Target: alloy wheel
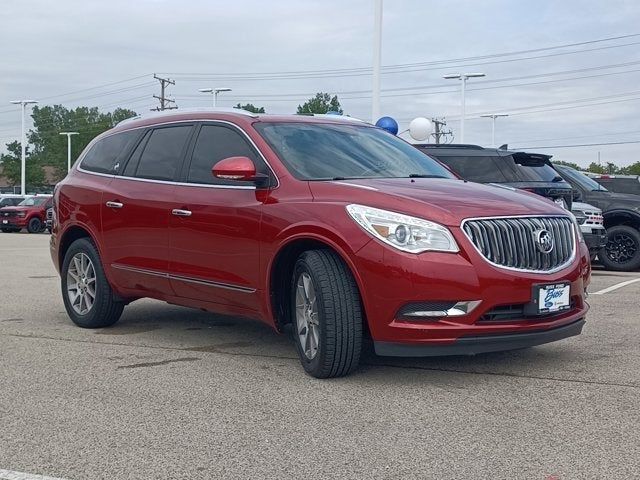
{"x": 308, "y": 326}
{"x": 81, "y": 283}
{"x": 621, "y": 247}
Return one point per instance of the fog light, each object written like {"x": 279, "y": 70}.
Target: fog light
{"x": 438, "y": 309}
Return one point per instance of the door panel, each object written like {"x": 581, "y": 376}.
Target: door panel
{"x": 136, "y": 237}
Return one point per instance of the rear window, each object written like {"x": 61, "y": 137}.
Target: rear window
{"x": 103, "y": 155}
{"x": 621, "y": 185}
{"x": 497, "y": 169}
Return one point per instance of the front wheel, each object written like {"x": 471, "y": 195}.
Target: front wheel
{"x": 34, "y": 225}
{"x": 326, "y": 315}
{"x": 622, "y": 251}
{"x": 87, "y": 295}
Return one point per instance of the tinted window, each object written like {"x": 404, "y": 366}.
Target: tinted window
{"x": 314, "y": 151}
{"x": 161, "y": 157}
{"x": 575, "y": 177}
{"x": 33, "y": 201}
{"x": 475, "y": 169}
{"x": 216, "y": 143}
{"x": 104, "y": 153}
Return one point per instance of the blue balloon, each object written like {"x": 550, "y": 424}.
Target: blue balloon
{"x": 389, "y": 124}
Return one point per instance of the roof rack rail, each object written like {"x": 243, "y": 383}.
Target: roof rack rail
{"x": 180, "y": 111}
{"x": 452, "y": 145}
{"x": 344, "y": 118}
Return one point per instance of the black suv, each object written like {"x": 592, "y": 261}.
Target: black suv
{"x": 621, "y": 213}
{"x": 619, "y": 183}
{"x": 527, "y": 171}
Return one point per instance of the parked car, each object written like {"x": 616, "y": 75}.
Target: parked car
{"x": 619, "y": 183}
{"x": 29, "y": 214}
{"x": 621, "y": 213}
{"x": 10, "y": 200}
{"x": 49, "y": 219}
{"x": 532, "y": 172}
{"x": 591, "y": 224}
{"x": 324, "y": 223}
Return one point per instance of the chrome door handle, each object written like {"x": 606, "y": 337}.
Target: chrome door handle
{"x": 181, "y": 213}
{"x": 114, "y": 204}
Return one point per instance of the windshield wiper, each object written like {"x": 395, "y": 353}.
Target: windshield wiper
{"x": 424, "y": 175}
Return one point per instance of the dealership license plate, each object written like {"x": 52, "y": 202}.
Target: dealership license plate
{"x": 553, "y": 297}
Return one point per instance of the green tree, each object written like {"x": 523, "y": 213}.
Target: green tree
{"x": 568, "y": 164}
{"x": 321, "y": 103}
{"x": 50, "y": 148}
{"x": 249, "y": 107}
{"x": 596, "y": 168}
{"x": 12, "y": 167}
{"x": 634, "y": 169}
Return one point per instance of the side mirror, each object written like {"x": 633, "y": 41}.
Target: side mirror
{"x": 577, "y": 196}
{"x": 241, "y": 169}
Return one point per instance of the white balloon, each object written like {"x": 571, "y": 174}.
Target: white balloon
{"x": 420, "y": 128}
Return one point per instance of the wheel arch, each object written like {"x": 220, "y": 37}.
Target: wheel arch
{"x": 621, "y": 217}
{"x": 70, "y": 235}
{"x": 281, "y": 268}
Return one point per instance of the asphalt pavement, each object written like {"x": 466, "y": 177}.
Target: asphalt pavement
{"x": 174, "y": 393}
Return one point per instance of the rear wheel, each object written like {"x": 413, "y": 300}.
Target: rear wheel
{"x": 622, "y": 251}
{"x": 34, "y": 225}
{"x": 326, "y": 314}
{"x": 87, "y": 295}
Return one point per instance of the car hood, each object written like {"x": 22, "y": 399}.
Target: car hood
{"x": 629, "y": 199}
{"x": 15, "y": 209}
{"x": 445, "y": 201}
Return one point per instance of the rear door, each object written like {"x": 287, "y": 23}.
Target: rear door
{"x": 214, "y": 232}
{"x": 136, "y": 210}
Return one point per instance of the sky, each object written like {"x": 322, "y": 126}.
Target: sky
{"x": 279, "y": 53}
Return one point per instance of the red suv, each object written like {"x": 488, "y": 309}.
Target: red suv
{"x": 30, "y": 213}
{"x": 326, "y": 223}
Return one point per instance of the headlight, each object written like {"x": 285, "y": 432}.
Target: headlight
{"x": 579, "y": 216}
{"x": 22, "y": 214}
{"x": 409, "y": 234}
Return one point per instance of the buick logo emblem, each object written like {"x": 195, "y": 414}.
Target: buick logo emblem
{"x": 544, "y": 240}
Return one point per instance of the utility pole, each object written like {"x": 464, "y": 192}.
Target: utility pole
{"x": 23, "y": 167}
{"x": 377, "y": 60}
{"x": 438, "y": 124}
{"x": 463, "y": 77}
{"x": 493, "y": 117}
{"x": 69, "y": 134}
{"x": 165, "y": 103}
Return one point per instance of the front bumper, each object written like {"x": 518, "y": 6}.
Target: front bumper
{"x": 389, "y": 280}
{"x": 595, "y": 241}
{"x": 13, "y": 222}
{"x": 472, "y": 345}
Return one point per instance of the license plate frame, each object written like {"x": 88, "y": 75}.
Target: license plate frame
{"x": 552, "y": 297}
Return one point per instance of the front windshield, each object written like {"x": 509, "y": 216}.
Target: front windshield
{"x": 33, "y": 201}
{"x": 581, "y": 179}
{"x": 315, "y": 151}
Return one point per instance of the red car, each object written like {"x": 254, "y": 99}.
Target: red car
{"x": 30, "y": 214}
{"x": 326, "y": 223}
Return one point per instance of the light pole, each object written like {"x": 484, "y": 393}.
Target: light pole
{"x": 68, "y": 134}
{"x": 214, "y": 92}
{"x": 23, "y": 142}
{"x": 493, "y": 117}
{"x": 464, "y": 77}
{"x": 377, "y": 60}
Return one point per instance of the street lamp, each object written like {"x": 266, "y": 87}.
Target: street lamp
{"x": 214, "y": 92}
{"x": 68, "y": 134}
{"x": 493, "y": 117}
{"x": 463, "y": 77}
{"x": 23, "y": 142}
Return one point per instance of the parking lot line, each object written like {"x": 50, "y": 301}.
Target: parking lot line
{"x": 615, "y": 287}
{"x": 10, "y": 475}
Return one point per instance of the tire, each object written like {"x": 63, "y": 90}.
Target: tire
{"x": 34, "y": 225}
{"x": 104, "y": 310}
{"x": 622, "y": 251}
{"x": 7, "y": 230}
{"x": 337, "y": 328}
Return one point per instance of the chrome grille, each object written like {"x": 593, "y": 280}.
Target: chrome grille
{"x": 511, "y": 242}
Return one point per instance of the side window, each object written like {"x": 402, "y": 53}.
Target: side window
{"x": 475, "y": 169}
{"x": 216, "y": 143}
{"x": 103, "y": 155}
{"x": 131, "y": 166}
{"x": 162, "y": 154}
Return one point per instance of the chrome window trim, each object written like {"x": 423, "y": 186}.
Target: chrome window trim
{"x": 524, "y": 270}
{"x": 183, "y": 184}
{"x": 183, "y": 278}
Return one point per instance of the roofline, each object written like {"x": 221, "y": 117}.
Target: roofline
{"x": 185, "y": 111}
